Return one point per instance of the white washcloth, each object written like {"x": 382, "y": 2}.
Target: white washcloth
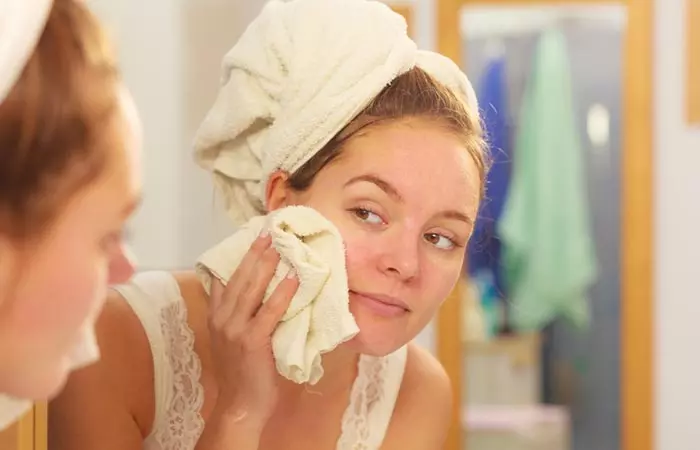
{"x": 21, "y": 24}
{"x": 318, "y": 318}
{"x": 300, "y": 73}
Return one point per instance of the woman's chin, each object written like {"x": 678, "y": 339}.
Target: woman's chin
{"x": 39, "y": 381}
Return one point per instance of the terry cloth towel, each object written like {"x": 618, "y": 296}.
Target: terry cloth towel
{"x": 548, "y": 251}
{"x": 318, "y": 318}
{"x": 302, "y": 70}
{"x": 21, "y": 25}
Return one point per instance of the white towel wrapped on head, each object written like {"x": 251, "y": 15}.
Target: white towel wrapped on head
{"x": 299, "y": 74}
{"x": 21, "y": 26}
{"x": 318, "y": 318}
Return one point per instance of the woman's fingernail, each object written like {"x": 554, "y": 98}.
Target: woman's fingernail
{"x": 292, "y": 274}
{"x": 264, "y": 233}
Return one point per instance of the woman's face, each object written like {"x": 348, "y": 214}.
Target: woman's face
{"x": 53, "y": 290}
{"x": 404, "y": 197}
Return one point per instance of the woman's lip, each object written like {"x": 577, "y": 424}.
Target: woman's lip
{"x": 382, "y": 305}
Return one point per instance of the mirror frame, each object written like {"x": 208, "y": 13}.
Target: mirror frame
{"x": 636, "y": 245}
{"x": 406, "y": 10}
{"x": 692, "y": 29}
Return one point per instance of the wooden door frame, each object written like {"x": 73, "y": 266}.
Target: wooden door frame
{"x": 636, "y": 245}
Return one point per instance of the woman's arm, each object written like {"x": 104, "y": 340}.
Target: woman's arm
{"x": 423, "y": 409}
{"x": 110, "y": 404}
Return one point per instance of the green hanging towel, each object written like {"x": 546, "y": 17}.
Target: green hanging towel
{"x": 548, "y": 253}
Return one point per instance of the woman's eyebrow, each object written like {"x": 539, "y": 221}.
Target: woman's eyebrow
{"x": 382, "y": 184}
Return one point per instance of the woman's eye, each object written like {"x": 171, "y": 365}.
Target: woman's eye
{"x": 440, "y": 241}
{"x": 368, "y": 216}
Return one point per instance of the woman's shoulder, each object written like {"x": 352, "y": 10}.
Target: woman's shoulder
{"x": 155, "y": 297}
{"x": 424, "y": 405}
{"x": 170, "y": 307}
{"x": 424, "y": 375}
{"x": 193, "y": 293}
{"x": 130, "y": 322}
{"x": 116, "y": 389}
{"x": 128, "y": 327}
{"x": 119, "y": 388}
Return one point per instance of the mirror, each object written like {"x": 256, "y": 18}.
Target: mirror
{"x": 532, "y": 377}
{"x": 613, "y": 120}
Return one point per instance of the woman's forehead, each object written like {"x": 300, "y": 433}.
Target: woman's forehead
{"x": 420, "y": 161}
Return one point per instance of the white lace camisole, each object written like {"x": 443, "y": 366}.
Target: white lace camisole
{"x": 156, "y": 300}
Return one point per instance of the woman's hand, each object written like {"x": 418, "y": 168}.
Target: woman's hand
{"x": 241, "y": 327}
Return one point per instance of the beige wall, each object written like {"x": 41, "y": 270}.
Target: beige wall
{"x": 170, "y": 55}
{"x": 677, "y": 171}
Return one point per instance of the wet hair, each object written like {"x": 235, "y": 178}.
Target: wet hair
{"x": 414, "y": 94}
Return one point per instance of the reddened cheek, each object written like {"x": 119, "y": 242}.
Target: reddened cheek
{"x": 358, "y": 255}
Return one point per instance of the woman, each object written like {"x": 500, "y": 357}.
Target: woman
{"x": 69, "y": 151}
{"x": 401, "y": 181}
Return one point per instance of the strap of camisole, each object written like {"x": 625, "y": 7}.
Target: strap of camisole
{"x": 156, "y": 300}
{"x": 372, "y": 401}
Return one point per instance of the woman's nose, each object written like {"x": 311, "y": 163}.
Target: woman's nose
{"x": 121, "y": 266}
{"x": 401, "y": 257}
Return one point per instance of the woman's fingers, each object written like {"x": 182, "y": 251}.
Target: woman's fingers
{"x": 219, "y": 315}
{"x": 224, "y": 301}
{"x": 251, "y": 298}
{"x": 216, "y": 293}
{"x": 271, "y": 312}
{"x": 235, "y": 304}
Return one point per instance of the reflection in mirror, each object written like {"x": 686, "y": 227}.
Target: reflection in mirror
{"x": 545, "y": 263}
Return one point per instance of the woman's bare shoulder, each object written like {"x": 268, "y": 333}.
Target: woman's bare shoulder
{"x": 113, "y": 395}
{"x": 192, "y": 291}
{"x": 424, "y": 373}
{"x": 424, "y": 405}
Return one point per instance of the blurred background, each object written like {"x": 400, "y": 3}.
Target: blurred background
{"x": 576, "y": 316}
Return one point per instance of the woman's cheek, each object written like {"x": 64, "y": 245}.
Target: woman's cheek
{"x": 358, "y": 252}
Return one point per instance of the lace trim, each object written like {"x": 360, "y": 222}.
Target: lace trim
{"x": 366, "y": 394}
{"x": 182, "y": 422}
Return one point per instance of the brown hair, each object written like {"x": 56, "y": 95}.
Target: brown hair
{"x": 52, "y": 122}
{"x": 414, "y": 94}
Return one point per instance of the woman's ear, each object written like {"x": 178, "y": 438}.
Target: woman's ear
{"x": 277, "y": 191}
